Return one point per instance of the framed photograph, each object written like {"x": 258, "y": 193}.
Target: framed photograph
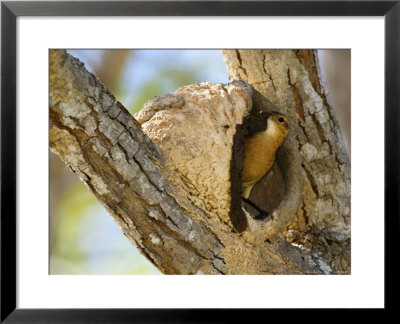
{"x": 238, "y": 164}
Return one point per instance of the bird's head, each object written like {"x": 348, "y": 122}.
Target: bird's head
{"x": 279, "y": 122}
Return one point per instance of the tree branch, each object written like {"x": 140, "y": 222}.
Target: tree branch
{"x": 166, "y": 185}
{"x": 104, "y": 145}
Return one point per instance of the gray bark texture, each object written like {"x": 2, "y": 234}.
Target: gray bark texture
{"x": 291, "y": 80}
{"x": 169, "y": 177}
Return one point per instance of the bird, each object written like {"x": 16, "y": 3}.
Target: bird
{"x": 260, "y": 149}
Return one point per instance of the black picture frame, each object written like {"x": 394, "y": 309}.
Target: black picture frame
{"x": 9, "y": 13}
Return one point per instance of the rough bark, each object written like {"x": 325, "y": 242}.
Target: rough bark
{"x": 291, "y": 80}
{"x": 178, "y": 216}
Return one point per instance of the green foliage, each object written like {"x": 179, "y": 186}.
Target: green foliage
{"x": 74, "y": 206}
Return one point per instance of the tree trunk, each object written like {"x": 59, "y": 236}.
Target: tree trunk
{"x": 291, "y": 79}
{"x": 170, "y": 181}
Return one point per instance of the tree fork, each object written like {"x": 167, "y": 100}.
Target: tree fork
{"x": 106, "y": 147}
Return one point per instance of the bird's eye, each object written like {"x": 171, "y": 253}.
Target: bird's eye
{"x": 281, "y": 119}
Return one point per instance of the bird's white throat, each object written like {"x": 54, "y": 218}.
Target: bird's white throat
{"x": 272, "y": 130}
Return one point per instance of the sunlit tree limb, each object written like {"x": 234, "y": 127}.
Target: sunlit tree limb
{"x": 106, "y": 147}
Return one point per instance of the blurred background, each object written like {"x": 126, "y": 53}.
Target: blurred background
{"x": 83, "y": 237}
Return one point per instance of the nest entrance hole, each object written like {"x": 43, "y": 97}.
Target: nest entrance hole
{"x": 270, "y": 190}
